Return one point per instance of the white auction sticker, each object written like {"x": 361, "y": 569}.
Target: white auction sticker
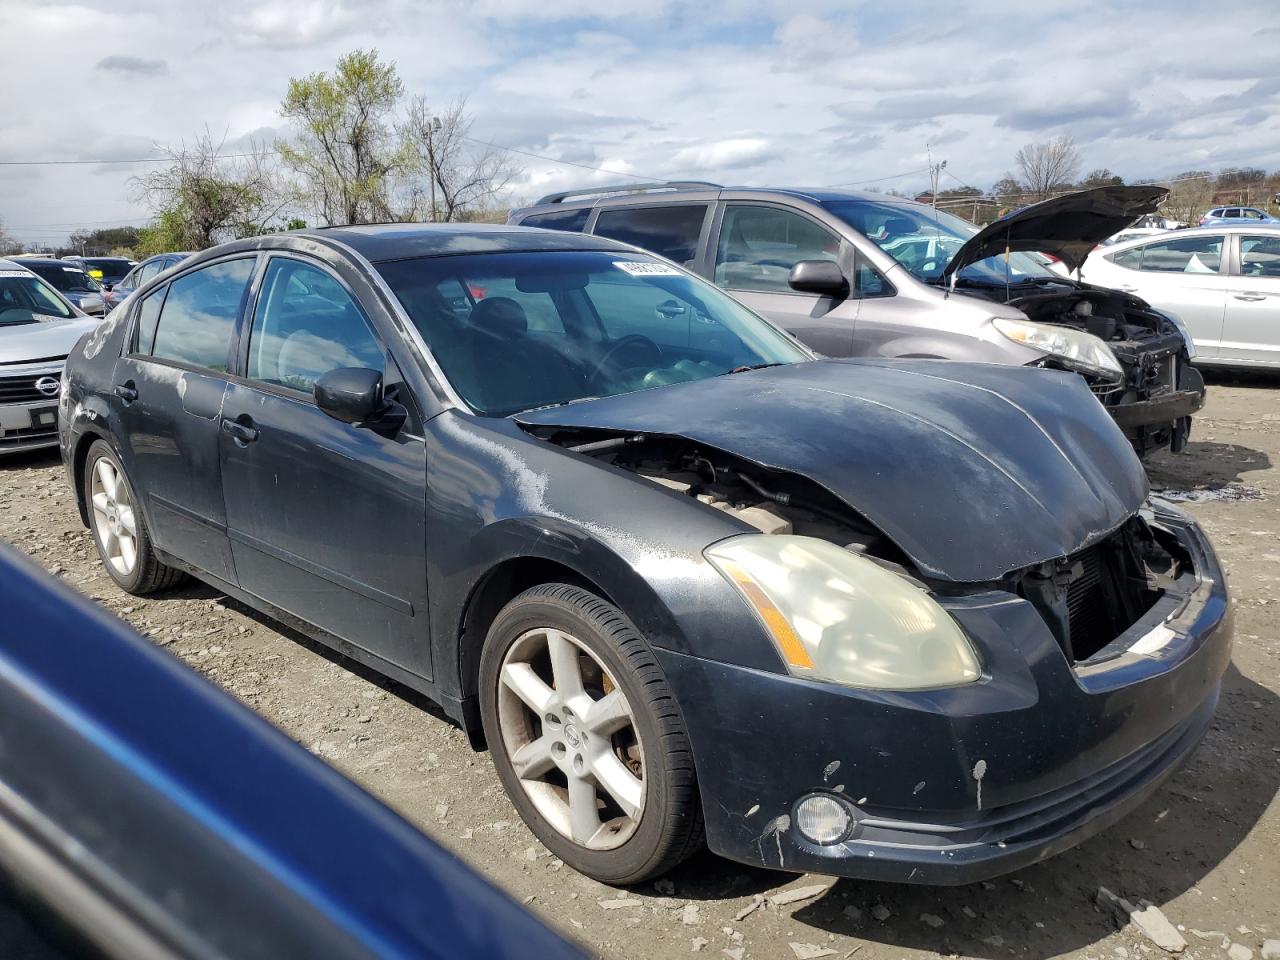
{"x": 646, "y": 269}
{"x": 15, "y": 273}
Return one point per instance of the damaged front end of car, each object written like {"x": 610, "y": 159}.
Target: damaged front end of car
{"x": 985, "y": 655}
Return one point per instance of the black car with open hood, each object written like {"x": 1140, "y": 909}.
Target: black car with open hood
{"x": 906, "y": 619}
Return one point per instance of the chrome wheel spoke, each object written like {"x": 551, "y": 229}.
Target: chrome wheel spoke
{"x": 107, "y": 477}
{"x": 128, "y": 553}
{"x": 584, "y": 813}
{"x": 533, "y": 759}
{"x": 566, "y": 665}
{"x": 127, "y": 521}
{"x": 608, "y": 715}
{"x": 110, "y": 544}
{"x": 620, "y": 783}
{"x": 520, "y": 679}
{"x": 101, "y": 502}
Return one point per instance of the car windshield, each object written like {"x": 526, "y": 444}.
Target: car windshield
{"x": 67, "y": 279}
{"x": 25, "y": 298}
{"x": 111, "y": 268}
{"x": 924, "y": 241}
{"x": 517, "y": 331}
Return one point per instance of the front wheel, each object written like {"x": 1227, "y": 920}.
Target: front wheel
{"x": 587, "y": 737}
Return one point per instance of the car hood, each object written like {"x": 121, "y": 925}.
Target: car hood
{"x": 20, "y": 343}
{"x": 1067, "y": 227}
{"x": 973, "y": 470}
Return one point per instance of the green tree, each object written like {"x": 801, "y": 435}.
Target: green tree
{"x": 345, "y": 152}
{"x": 1102, "y": 177}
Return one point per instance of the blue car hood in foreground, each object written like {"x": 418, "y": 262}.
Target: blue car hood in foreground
{"x": 973, "y": 470}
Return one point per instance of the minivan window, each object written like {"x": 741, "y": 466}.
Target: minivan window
{"x": 626, "y": 322}
{"x": 669, "y": 231}
{"x": 572, "y": 220}
{"x": 759, "y": 245}
{"x": 25, "y": 298}
{"x": 1183, "y": 255}
{"x": 200, "y": 314}
{"x": 305, "y": 325}
{"x": 925, "y": 240}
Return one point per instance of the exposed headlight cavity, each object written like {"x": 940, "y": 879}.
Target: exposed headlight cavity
{"x": 836, "y": 616}
{"x": 1080, "y": 350}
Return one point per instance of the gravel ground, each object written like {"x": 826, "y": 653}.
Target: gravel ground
{"x": 1204, "y": 849}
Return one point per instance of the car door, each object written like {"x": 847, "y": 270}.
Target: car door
{"x": 326, "y": 520}
{"x": 1182, "y": 275}
{"x": 756, "y": 247}
{"x": 167, "y": 400}
{"x": 1252, "y": 327}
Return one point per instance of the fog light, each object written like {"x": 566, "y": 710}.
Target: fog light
{"x": 823, "y": 819}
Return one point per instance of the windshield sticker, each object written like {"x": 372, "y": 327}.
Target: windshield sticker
{"x": 646, "y": 269}
{"x": 72, "y": 270}
{"x": 15, "y": 273}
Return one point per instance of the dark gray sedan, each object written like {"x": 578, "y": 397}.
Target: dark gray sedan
{"x": 898, "y": 619}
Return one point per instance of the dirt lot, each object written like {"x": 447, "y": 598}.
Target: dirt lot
{"x": 1205, "y": 849}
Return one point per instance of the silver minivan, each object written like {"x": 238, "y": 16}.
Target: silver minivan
{"x": 871, "y": 275}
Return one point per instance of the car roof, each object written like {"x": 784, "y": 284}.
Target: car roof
{"x": 47, "y": 262}
{"x": 403, "y": 241}
{"x": 627, "y": 194}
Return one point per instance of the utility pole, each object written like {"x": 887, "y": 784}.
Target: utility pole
{"x": 935, "y": 171}
{"x": 431, "y": 162}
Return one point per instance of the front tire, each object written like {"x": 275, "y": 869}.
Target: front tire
{"x": 586, "y": 736}
{"x": 119, "y": 530}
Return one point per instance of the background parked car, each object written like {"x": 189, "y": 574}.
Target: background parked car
{"x": 108, "y": 271}
{"x": 1236, "y": 214}
{"x": 38, "y": 327}
{"x": 140, "y": 274}
{"x": 71, "y": 281}
{"x": 675, "y": 568}
{"x": 869, "y": 275}
{"x": 1222, "y": 280}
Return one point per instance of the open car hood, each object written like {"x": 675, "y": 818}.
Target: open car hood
{"x": 1068, "y": 227}
{"x": 973, "y": 470}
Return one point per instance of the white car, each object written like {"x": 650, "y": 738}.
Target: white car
{"x": 1222, "y": 281}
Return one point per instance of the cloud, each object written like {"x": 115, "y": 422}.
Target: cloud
{"x": 133, "y": 66}
{"x": 729, "y": 154}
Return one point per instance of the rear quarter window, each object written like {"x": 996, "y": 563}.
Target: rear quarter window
{"x": 670, "y": 231}
{"x": 574, "y": 221}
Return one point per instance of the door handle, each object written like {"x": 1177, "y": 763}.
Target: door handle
{"x": 127, "y": 391}
{"x": 1251, "y": 297}
{"x": 241, "y": 433}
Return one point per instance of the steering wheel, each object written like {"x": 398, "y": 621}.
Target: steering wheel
{"x": 630, "y": 341}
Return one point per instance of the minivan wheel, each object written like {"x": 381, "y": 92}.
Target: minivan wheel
{"x": 119, "y": 530}
{"x": 586, "y": 736}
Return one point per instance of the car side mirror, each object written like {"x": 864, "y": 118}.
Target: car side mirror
{"x": 823, "y": 277}
{"x": 354, "y": 395}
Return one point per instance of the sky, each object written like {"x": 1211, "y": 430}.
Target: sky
{"x": 735, "y": 92}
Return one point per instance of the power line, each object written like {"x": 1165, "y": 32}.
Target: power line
{"x": 896, "y": 176}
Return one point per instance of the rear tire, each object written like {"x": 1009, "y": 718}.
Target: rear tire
{"x": 119, "y": 530}
{"x": 606, "y": 778}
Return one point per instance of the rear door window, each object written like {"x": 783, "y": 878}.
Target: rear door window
{"x": 1260, "y": 256}
{"x": 1183, "y": 255}
{"x": 759, "y": 245}
{"x": 199, "y": 315}
{"x": 572, "y": 220}
{"x": 670, "y": 231}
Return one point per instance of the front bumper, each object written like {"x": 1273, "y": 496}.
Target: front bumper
{"x": 28, "y": 419}
{"x": 954, "y": 786}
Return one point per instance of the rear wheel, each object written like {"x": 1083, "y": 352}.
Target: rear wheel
{"x": 119, "y": 530}
{"x": 586, "y": 736}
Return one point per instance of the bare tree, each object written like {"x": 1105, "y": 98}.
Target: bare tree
{"x": 452, "y": 176}
{"x": 1048, "y": 167}
{"x": 1191, "y": 193}
{"x": 345, "y": 153}
{"x": 8, "y": 245}
{"x": 203, "y": 198}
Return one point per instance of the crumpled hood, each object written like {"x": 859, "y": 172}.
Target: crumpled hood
{"x": 20, "y": 343}
{"x": 973, "y": 470}
{"x": 1068, "y": 227}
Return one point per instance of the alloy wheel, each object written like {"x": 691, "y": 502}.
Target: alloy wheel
{"x": 114, "y": 519}
{"x": 572, "y": 739}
